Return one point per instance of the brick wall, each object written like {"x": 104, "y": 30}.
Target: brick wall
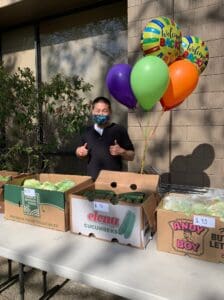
{"x": 188, "y": 146}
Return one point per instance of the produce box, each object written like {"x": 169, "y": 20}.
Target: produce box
{"x": 5, "y": 177}
{"x": 192, "y": 224}
{"x": 119, "y": 206}
{"x": 38, "y": 206}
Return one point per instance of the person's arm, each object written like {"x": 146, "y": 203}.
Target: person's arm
{"x": 116, "y": 149}
{"x": 82, "y": 151}
{"x": 128, "y": 155}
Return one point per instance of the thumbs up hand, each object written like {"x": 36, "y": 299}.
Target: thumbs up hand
{"x": 82, "y": 151}
{"x": 116, "y": 149}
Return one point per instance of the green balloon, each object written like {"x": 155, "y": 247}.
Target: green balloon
{"x": 149, "y": 80}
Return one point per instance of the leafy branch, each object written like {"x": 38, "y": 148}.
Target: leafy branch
{"x": 60, "y": 103}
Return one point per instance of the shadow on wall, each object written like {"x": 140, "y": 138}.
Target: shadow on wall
{"x": 10, "y": 63}
{"x": 190, "y": 169}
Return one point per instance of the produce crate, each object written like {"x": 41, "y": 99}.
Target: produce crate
{"x": 119, "y": 206}
{"x": 11, "y": 175}
{"x": 192, "y": 224}
{"x": 40, "y": 207}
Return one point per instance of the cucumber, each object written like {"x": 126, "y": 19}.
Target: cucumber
{"x": 102, "y": 194}
{"x": 114, "y": 200}
{"x": 125, "y": 223}
{"x": 89, "y": 195}
{"x": 132, "y": 197}
{"x": 129, "y": 228}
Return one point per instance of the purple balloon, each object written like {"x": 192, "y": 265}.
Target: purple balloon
{"x": 118, "y": 83}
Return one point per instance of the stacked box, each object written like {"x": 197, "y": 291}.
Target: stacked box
{"x": 40, "y": 207}
{"x": 111, "y": 220}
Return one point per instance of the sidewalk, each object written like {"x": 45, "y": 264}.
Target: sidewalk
{"x": 33, "y": 287}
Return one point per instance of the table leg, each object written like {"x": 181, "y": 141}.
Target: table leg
{"x": 44, "y": 275}
{"x": 21, "y": 281}
{"x": 11, "y": 279}
{"x": 9, "y": 268}
{"x": 49, "y": 293}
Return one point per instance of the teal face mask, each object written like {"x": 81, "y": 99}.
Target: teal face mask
{"x": 101, "y": 119}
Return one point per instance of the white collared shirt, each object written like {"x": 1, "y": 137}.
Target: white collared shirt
{"x": 98, "y": 129}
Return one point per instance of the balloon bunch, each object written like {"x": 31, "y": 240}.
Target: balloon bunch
{"x": 168, "y": 72}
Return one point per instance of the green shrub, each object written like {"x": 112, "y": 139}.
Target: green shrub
{"x": 36, "y": 120}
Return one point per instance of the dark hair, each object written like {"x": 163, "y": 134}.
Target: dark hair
{"x": 101, "y": 99}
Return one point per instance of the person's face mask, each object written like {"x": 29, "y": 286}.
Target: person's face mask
{"x": 101, "y": 113}
{"x": 101, "y": 119}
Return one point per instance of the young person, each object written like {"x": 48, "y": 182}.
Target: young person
{"x": 105, "y": 144}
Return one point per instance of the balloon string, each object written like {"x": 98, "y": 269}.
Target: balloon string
{"x": 147, "y": 129}
{"x": 140, "y": 125}
{"x": 143, "y": 156}
{"x": 147, "y": 139}
{"x": 152, "y": 133}
{"x": 145, "y": 146}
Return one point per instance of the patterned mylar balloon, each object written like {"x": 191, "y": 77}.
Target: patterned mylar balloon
{"x": 195, "y": 50}
{"x": 162, "y": 37}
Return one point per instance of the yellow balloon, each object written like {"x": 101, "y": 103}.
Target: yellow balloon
{"x": 162, "y": 37}
{"x": 196, "y": 51}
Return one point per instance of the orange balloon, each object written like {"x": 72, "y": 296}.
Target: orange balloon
{"x": 183, "y": 80}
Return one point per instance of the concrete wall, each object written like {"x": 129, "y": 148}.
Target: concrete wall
{"x": 188, "y": 146}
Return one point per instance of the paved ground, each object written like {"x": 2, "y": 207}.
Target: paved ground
{"x": 33, "y": 287}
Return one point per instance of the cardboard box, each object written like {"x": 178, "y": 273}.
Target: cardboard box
{"x": 41, "y": 207}
{"x": 12, "y": 175}
{"x": 106, "y": 221}
{"x": 196, "y": 235}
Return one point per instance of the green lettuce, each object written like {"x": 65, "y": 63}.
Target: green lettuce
{"x": 65, "y": 185}
{"x": 32, "y": 183}
{"x": 48, "y": 186}
{"x": 5, "y": 178}
{"x": 60, "y": 186}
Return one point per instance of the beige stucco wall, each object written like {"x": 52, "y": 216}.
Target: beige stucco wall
{"x": 8, "y": 2}
{"x": 85, "y": 44}
{"x": 189, "y": 139}
{"x": 18, "y": 49}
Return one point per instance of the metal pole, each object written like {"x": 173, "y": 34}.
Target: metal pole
{"x": 21, "y": 281}
{"x": 9, "y": 268}
{"x": 44, "y": 275}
